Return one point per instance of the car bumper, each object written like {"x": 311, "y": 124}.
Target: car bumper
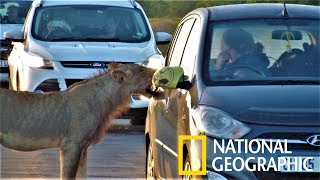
{"x": 231, "y": 173}
{"x": 60, "y": 78}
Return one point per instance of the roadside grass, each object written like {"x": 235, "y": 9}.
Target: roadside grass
{"x": 164, "y": 25}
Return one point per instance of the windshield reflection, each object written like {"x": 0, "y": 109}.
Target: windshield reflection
{"x": 257, "y": 51}
{"x": 89, "y": 23}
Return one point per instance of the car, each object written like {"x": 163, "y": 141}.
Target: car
{"x": 238, "y": 73}
{"x": 64, "y": 42}
{"x": 12, "y": 16}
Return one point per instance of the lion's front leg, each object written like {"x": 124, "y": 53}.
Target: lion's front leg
{"x": 69, "y": 161}
{"x": 82, "y": 168}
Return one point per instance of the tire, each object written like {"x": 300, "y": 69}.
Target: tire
{"x": 186, "y": 167}
{"x": 150, "y": 168}
{"x": 137, "y": 116}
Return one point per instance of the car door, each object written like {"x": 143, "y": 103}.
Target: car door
{"x": 157, "y": 109}
{"x": 172, "y": 109}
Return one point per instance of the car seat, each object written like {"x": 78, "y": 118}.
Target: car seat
{"x": 294, "y": 63}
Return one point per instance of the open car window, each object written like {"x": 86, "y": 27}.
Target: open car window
{"x": 262, "y": 51}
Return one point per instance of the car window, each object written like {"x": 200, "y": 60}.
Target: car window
{"x": 171, "y": 45}
{"x": 181, "y": 39}
{"x": 90, "y": 23}
{"x": 14, "y": 12}
{"x": 254, "y": 50}
{"x": 188, "y": 58}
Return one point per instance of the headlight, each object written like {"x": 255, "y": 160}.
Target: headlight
{"x": 39, "y": 62}
{"x": 155, "y": 61}
{"x": 217, "y": 123}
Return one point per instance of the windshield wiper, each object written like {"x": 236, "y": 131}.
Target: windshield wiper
{"x": 291, "y": 82}
{"x": 264, "y": 82}
{"x": 100, "y": 39}
{"x": 62, "y": 39}
{"x": 87, "y": 39}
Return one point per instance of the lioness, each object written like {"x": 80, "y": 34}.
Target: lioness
{"x": 72, "y": 119}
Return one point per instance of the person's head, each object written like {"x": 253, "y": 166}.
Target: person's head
{"x": 12, "y": 13}
{"x": 110, "y": 26}
{"x": 127, "y": 23}
{"x": 58, "y": 22}
{"x": 238, "y": 42}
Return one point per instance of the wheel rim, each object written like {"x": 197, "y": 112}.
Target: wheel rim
{"x": 187, "y": 167}
{"x": 150, "y": 165}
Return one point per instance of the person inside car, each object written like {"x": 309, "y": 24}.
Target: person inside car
{"x": 12, "y": 16}
{"x": 240, "y": 52}
{"x": 110, "y": 27}
{"x": 58, "y": 28}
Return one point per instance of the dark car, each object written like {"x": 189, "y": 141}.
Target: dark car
{"x": 245, "y": 78}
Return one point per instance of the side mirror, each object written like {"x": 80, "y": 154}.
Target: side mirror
{"x": 163, "y": 38}
{"x": 170, "y": 78}
{"x": 14, "y": 35}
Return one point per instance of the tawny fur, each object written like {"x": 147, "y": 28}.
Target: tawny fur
{"x": 71, "y": 120}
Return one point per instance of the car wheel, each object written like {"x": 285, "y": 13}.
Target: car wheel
{"x": 137, "y": 116}
{"x": 150, "y": 169}
{"x": 186, "y": 167}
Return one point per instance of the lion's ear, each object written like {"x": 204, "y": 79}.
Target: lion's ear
{"x": 120, "y": 76}
{"x": 128, "y": 73}
{"x": 113, "y": 66}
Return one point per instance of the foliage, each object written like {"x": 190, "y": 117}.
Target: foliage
{"x": 164, "y": 15}
{"x": 169, "y": 9}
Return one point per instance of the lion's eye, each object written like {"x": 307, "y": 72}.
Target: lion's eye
{"x": 141, "y": 70}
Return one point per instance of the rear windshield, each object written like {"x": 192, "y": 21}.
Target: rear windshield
{"x": 262, "y": 51}
{"x": 90, "y": 23}
{"x": 14, "y": 12}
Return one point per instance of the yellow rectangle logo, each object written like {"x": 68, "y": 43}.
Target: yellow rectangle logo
{"x": 203, "y": 140}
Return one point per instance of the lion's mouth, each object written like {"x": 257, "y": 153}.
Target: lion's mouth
{"x": 149, "y": 89}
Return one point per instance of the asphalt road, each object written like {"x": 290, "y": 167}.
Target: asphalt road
{"x": 121, "y": 155}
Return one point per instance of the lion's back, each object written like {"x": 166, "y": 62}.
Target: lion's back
{"x": 33, "y": 114}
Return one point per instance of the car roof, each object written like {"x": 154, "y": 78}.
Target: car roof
{"x": 16, "y": 0}
{"x": 119, "y": 3}
{"x": 262, "y": 10}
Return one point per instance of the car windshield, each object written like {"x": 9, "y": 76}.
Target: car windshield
{"x": 269, "y": 51}
{"x": 14, "y": 12}
{"x": 90, "y": 23}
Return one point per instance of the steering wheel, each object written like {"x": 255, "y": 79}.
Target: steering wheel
{"x": 287, "y": 57}
{"x": 239, "y": 71}
{"x": 57, "y": 33}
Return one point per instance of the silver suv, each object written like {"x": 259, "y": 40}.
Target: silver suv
{"x": 64, "y": 42}
{"x": 12, "y": 16}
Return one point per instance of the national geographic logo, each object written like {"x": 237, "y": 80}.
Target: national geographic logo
{"x": 203, "y": 155}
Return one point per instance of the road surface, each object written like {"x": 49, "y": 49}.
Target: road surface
{"x": 119, "y": 156}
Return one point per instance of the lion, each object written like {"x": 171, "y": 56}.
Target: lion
{"x": 71, "y": 120}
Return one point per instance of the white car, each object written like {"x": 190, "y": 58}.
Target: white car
{"x": 64, "y": 42}
{"x": 12, "y": 16}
